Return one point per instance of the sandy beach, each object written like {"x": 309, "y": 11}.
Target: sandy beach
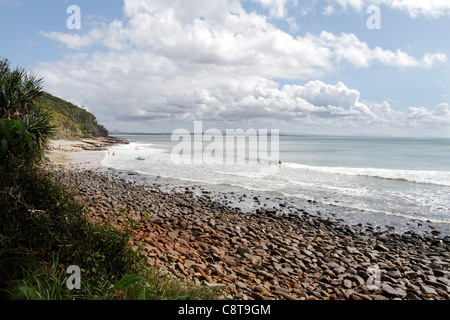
{"x": 86, "y": 153}
{"x": 253, "y": 255}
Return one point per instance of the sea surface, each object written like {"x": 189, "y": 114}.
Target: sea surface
{"x": 401, "y": 184}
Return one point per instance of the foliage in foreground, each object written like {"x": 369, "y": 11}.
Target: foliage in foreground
{"x": 44, "y": 230}
{"x": 41, "y": 221}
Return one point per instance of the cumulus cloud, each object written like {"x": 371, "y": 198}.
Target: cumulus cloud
{"x": 415, "y": 8}
{"x": 319, "y": 100}
{"x": 431, "y": 59}
{"x": 328, "y": 10}
{"x": 171, "y": 61}
{"x": 277, "y": 7}
{"x": 224, "y": 34}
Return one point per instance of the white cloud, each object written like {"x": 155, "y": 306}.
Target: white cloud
{"x": 347, "y": 47}
{"x": 277, "y": 8}
{"x": 328, "y": 10}
{"x": 357, "y": 5}
{"x": 223, "y": 34}
{"x": 415, "y": 8}
{"x": 431, "y": 59}
{"x": 170, "y": 61}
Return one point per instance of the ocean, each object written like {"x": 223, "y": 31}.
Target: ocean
{"x": 394, "y": 184}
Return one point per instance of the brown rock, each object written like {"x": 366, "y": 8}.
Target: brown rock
{"x": 157, "y": 221}
{"x": 428, "y": 290}
{"x": 189, "y": 263}
{"x": 393, "y": 292}
{"x": 256, "y": 260}
{"x": 285, "y": 295}
{"x": 359, "y": 296}
{"x": 347, "y": 284}
{"x": 243, "y": 250}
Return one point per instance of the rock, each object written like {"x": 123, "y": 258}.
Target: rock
{"x": 157, "y": 221}
{"x": 353, "y": 250}
{"x": 285, "y": 295}
{"x": 333, "y": 265}
{"x": 256, "y": 295}
{"x": 359, "y": 296}
{"x": 261, "y": 256}
{"x": 441, "y": 273}
{"x": 256, "y": 260}
{"x": 243, "y": 250}
{"x": 394, "y": 273}
{"x": 445, "y": 279}
{"x": 413, "y": 289}
{"x": 339, "y": 270}
{"x": 242, "y": 273}
{"x": 230, "y": 277}
{"x": 393, "y": 292}
{"x": 434, "y": 283}
{"x": 173, "y": 234}
{"x": 428, "y": 290}
{"x": 228, "y": 260}
{"x": 279, "y": 289}
{"x": 378, "y": 297}
{"x": 357, "y": 279}
{"x": 347, "y": 284}
{"x": 286, "y": 271}
{"x": 381, "y": 247}
{"x": 265, "y": 274}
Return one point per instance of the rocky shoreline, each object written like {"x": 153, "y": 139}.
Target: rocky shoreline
{"x": 85, "y": 144}
{"x": 261, "y": 255}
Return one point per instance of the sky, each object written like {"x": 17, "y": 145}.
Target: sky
{"x": 344, "y": 67}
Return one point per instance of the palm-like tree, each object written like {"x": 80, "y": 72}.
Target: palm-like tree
{"x": 4, "y": 73}
{"x": 19, "y": 91}
{"x": 40, "y": 126}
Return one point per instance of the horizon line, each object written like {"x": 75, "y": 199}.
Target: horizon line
{"x": 292, "y": 135}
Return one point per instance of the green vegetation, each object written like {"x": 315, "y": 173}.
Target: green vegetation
{"x": 72, "y": 121}
{"x": 44, "y": 230}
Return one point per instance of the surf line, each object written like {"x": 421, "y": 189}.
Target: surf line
{"x": 236, "y": 146}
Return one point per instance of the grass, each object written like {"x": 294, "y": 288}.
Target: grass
{"x": 159, "y": 286}
{"x": 43, "y": 230}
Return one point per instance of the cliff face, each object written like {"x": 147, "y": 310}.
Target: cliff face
{"x": 72, "y": 121}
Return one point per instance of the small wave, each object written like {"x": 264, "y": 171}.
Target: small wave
{"x": 261, "y": 174}
{"x": 401, "y": 215}
{"x": 344, "y": 190}
{"x": 440, "y": 178}
{"x": 378, "y": 212}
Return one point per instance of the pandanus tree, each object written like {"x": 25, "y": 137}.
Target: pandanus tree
{"x": 24, "y": 126}
{"x": 19, "y": 91}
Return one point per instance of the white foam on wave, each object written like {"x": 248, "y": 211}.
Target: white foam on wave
{"x": 440, "y": 178}
{"x": 305, "y": 182}
{"x": 355, "y": 207}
